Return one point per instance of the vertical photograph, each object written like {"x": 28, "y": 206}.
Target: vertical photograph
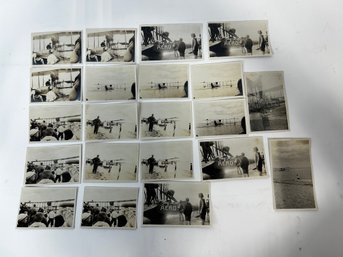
{"x": 109, "y": 207}
{"x": 217, "y": 80}
{"x": 177, "y": 204}
{"x": 55, "y": 123}
{"x": 166, "y": 160}
{"x": 239, "y": 39}
{"x": 266, "y": 101}
{"x": 111, "y": 162}
{"x": 292, "y": 173}
{"x": 231, "y": 158}
{"x": 111, "y": 121}
{"x": 49, "y": 48}
{"x": 171, "y": 42}
{"x": 53, "y": 165}
{"x": 47, "y": 208}
{"x": 225, "y": 117}
{"x": 163, "y": 81}
{"x": 55, "y": 84}
{"x": 110, "y": 45}
{"x": 165, "y": 120}
{"x": 108, "y": 83}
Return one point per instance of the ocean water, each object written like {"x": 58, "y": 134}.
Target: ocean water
{"x": 229, "y": 129}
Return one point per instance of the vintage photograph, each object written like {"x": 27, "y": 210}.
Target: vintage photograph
{"x": 239, "y": 39}
{"x": 267, "y": 101}
{"x": 55, "y": 84}
{"x": 109, "y": 207}
{"x": 225, "y": 117}
{"x": 45, "y": 208}
{"x": 163, "y": 81}
{"x": 53, "y": 165}
{"x": 177, "y": 204}
{"x": 111, "y": 121}
{"x": 111, "y": 83}
{"x": 56, "y": 48}
{"x": 55, "y": 123}
{"x": 171, "y": 42}
{"x": 111, "y": 162}
{"x": 110, "y": 45}
{"x": 217, "y": 80}
{"x": 292, "y": 173}
{"x": 165, "y": 120}
{"x": 230, "y": 158}
{"x": 166, "y": 160}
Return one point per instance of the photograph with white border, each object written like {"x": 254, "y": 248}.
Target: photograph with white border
{"x": 184, "y": 204}
{"x": 111, "y": 162}
{"x": 109, "y": 207}
{"x": 47, "y": 208}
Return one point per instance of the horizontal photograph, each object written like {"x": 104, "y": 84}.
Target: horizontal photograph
{"x": 55, "y": 123}
{"x": 111, "y": 121}
{"x": 239, "y": 39}
{"x": 171, "y": 42}
{"x": 163, "y": 81}
{"x": 55, "y": 84}
{"x": 177, "y": 204}
{"x": 110, "y": 83}
{"x": 109, "y": 207}
{"x": 230, "y": 158}
{"x": 217, "y": 80}
{"x": 111, "y": 162}
{"x": 292, "y": 173}
{"x": 224, "y": 117}
{"x": 53, "y": 165}
{"x": 165, "y": 120}
{"x": 47, "y": 208}
{"x": 110, "y": 45}
{"x": 166, "y": 160}
{"x": 267, "y": 101}
{"x": 49, "y": 48}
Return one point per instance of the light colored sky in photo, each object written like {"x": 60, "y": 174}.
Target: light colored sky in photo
{"x": 52, "y": 152}
{"x": 110, "y": 151}
{"x": 267, "y": 81}
{"x": 47, "y": 194}
{"x": 112, "y": 111}
{"x": 164, "y": 110}
{"x": 109, "y": 194}
{"x": 54, "y": 111}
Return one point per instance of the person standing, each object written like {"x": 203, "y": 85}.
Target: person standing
{"x": 96, "y": 162}
{"x": 51, "y": 217}
{"x": 248, "y": 45}
{"x": 151, "y": 121}
{"x": 195, "y": 45}
{"x": 202, "y": 208}
{"x": 151, "y": 163}
{"x": 188, "y": 209}
{"x": 245, "y": 165}
{"x": 258, "y": 161}
{"x": 96, "y": 124}
{"x": 261, "y": 42}
{"x": 181, "y": 49}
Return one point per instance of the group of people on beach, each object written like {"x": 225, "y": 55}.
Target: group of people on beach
{"x": 185, "y": 209}
{"x": 247, "y": 44}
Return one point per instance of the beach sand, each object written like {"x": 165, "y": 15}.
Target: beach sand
{"x": 127, "y": 173}
{"x": 126, "y": 133}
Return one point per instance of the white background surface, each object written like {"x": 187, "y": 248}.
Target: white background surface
{"x": 307, "y": 41}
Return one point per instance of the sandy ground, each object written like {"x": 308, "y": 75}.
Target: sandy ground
{"x": 181, "y": 130}
{"x": 126, "y": 133}
{"x": 231, "y": 172}
{"x": 171, "y": 173}
{"x": 127, "y": 173}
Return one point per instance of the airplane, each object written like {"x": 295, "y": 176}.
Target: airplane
{"x": 165, "y": 85}
{"x": 216, "y": 84}
{"x": 63, "y": 119}
{"x": 219, "y": 122}
{"x": 163, "y": 122}
{"x": 60, "y": 161}
{"x": 163, "y": 163}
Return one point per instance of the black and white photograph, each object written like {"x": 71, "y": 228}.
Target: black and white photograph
{"x": 172, "y": 160}
{"x": 231, "y": 158}
{"x": 53, "y": 165}
{"x": 165, "y": 120}
{"x": 163, "y": 81}
{"x": 110, "y": 83}
{"x": 110, "y": 45}
{"x": 224, "y": 117}
{"x": 49, "y": 48}
{"x": 56, "y": 123}
{"x": 111, "y": 121}
{"x": 171, "y": 42}
{"x": 47, "y": 208}
{"x": 217, "y": 80}
{"x": 111, "y": 162}
{"x": 267, "y": 101}
{"x": 55, "y": 84}
{"x": 292, "y": 173}
{"x": 239, "y": 39}
{"x": 177, "y": 204}
{"x": 109, "y": 207}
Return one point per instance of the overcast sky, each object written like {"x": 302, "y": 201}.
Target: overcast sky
{"x": 112, "y": 111}
{"x": 109, "y": 194}
{"x": 267, "y": 81}
{"x": 46, "y": 111}
{"x": 111, "y": 151}
{"x": 47, "y": 194}
{"x": 181, "y": 110}
{"x": 52, "y": 152}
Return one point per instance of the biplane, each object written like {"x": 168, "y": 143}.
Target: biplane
{"x": 216, "y": 84}
{"x": 56, "y": 47}
{"x": 59, "y": 161}
{"x": 163, "y": 163}
{"x": 107, "y": 46}
{"x": 162, "y": 122}
{"x": 63, "y": 120}
{"x": 59, "y": 82}
{"x": 110, "y": 124}
{"x": 219, "y": 122}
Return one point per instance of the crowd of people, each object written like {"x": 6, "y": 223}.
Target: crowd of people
{"x": 110, "y": 216}
{"x": 185, "y": 209}
{"x": 51, "y": 174}
{"x": 43, "y": 217}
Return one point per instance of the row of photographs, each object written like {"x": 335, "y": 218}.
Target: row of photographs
{"x": 158, "y": 42}
{"x": 267, "y": 111}
{"x": 156, "y": 81}
{"x": 169, "y": 204}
